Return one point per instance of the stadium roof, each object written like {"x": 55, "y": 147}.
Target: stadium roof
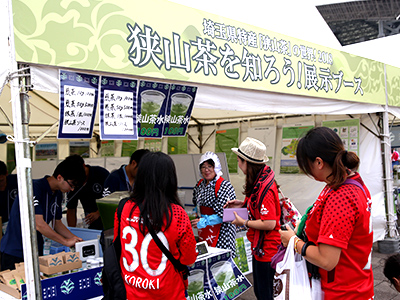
{"x": 360, "y": 21}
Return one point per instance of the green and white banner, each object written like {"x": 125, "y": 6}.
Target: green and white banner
{"x": 138, "y": 38}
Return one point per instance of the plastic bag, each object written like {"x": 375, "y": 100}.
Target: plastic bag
{"x": 316, "y": 291}
{"x": 291, "y": 278}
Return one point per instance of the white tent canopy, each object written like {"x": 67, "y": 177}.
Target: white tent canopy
{"x": 249, "y": 106}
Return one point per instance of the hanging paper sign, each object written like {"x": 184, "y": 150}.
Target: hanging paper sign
{"x": 179, "y": 108}
{"x": 226, "y": 280}
{"x": 118, "y": 109}
{"x": 151, "y": 108}
{"x": 78, "y": 102}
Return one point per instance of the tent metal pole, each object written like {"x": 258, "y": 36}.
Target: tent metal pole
{"x": 391, "y": 223}
{"x": 24, "y": 173}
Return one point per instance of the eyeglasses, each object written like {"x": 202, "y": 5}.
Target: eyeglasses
{"x": 71, "y": 185}
{"x": 209, "y": 168}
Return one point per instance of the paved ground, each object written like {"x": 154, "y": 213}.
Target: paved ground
{"x": 383, "y": 289}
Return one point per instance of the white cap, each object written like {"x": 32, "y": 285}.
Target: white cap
{"x": 217, "y": 164}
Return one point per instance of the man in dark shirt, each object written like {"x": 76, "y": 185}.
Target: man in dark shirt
{"x": 87, "y": 194}
{"x": 47, "y": 200}
{"x": 8, "y": 193}
{"x": 123, "y": 178}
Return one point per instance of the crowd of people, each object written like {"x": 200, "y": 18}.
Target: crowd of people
{"x": 335, "y": 236}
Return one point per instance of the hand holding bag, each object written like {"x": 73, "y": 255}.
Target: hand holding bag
{"x": 291, "y": 278}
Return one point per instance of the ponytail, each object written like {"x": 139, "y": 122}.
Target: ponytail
{"x": 343, "y": 164}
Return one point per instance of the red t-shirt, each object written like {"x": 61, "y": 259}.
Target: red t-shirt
{"x": 395, "y": 156}
{"x": 147, "y": 272}
{"x": 270, "y": 210}
{"x": 342, "y": 219}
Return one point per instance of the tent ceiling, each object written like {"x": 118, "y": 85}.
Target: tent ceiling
{"x": 358, "y": 21}
{"x": 213, "y": 105}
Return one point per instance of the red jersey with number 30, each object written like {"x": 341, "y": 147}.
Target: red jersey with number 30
{"x": 342, "y": 219}
{"x": 147, "y": 272}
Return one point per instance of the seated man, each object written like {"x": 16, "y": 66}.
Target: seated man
{"x": 123, "y": 178}
{"x": 87, "y": 194}
{"x": 47, "y": 198}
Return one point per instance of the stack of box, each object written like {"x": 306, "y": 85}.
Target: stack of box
{"x": 60, "y": 262}
{"x": 11, "y": 281}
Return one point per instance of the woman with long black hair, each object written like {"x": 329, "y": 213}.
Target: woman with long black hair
{"x": 146, "y": 271}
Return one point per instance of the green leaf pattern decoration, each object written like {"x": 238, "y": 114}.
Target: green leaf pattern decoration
{"x": 67, "y": 286}
{"x": 82, "y": 30}
{"x": 97, "y": 279}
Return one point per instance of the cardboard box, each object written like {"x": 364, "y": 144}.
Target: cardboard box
{"x": 9, "y": 290}
{"x": 60, "y": 262}
{"x": 20, "y": 267}
{"x": 52, "y": 260}
{"x": 15, "y": 292}
{"x": 60, "y": 268}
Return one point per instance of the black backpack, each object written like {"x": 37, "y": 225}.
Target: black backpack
{"x": 113, "y": 284}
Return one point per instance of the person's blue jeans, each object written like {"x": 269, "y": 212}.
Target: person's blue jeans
{"x": 263, "y": 280}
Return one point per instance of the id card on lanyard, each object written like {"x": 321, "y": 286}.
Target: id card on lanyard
{"x": 128, "y": 184}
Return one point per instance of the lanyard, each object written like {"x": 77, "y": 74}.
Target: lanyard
{"x": 128, "y": 185}
{"x": 52, "y": 212}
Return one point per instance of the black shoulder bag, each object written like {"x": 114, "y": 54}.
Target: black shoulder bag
{"x": 113, "y": 283}
{"x": 181, "y": 268}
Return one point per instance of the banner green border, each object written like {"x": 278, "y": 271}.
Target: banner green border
{"x": 132, "y": 37}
